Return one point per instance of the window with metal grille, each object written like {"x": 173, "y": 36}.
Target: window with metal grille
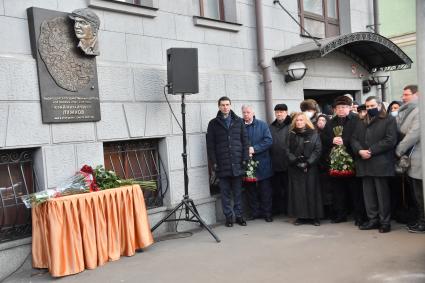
{"x": 17, "y": 179}
{"x": 138, "y": 160}
{"x": 320, "y": 17}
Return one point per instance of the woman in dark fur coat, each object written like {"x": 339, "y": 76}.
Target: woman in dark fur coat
{"x": 304, "y": 193}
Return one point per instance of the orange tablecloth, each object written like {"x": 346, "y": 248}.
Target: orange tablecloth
{"x": 84, "y": 231}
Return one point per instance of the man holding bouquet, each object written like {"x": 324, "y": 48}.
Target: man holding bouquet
{"x": 260, "y": 193}
{"x": 336, "y": 142}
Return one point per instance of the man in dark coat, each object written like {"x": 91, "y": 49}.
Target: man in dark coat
{"x": 260, "y": 141}
{"x": 373, "y": 144}
{"x": 280, "y": 130}
{"x": 227, "y": 147}
{"x": 343, "y": 189}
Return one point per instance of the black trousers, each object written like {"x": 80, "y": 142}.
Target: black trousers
{"x": 260, "y": 198}
{"x": 280, "y": 192}
{"x": 347, "y": 196}
{"x": 419, "y": 198}
{"x": 377, "y": 199}
{"x": 231, "y": 187}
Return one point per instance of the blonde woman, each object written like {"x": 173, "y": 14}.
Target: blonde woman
{"x": 304, "y": 194}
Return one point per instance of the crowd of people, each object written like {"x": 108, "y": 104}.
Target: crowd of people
{"x": 296, "y": 155}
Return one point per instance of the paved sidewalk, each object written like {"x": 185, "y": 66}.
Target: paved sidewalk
{"x": 268, "y": 252}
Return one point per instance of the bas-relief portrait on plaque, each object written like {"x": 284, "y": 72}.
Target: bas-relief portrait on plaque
{"x": 65, "y": 46}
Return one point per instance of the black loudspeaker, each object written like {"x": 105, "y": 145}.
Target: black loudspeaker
{"x": 182, "y": 70}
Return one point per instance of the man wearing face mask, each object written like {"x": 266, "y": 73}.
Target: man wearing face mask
{"x": 343, "y": 188}
{"x": 373, "y": 144}
{"x": 311, "y": 109}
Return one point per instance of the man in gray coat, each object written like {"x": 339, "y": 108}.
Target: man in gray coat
{"x": 409, "y": 130}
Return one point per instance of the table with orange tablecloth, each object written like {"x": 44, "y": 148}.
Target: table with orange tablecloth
{"x": 82, "y": 231}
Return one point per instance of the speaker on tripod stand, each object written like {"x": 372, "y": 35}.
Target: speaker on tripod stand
{"x": 182, "y": 79}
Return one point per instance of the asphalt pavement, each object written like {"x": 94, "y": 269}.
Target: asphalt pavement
{"x": 266, "y": 252}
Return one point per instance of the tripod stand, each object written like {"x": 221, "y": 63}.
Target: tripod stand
{"x": 186, "y": 203}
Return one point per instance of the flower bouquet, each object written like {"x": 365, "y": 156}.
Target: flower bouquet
{"x": 84, "y": 181}
{"x": 81, "y": 182}
{"x": 107, "y": 179}
{"x": 250, "y": 173}
{"x": 341, "y": 162}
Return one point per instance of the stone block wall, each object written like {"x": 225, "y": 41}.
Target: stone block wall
{"x": 132, "y": 74}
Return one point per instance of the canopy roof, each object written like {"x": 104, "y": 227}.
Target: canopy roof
{"x": 370, "y": 50}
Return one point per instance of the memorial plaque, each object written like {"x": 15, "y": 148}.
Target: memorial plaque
{"x": 67, "y": 74}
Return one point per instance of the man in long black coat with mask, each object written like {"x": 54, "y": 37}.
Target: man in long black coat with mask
{"x": 227, "y": 146}
{"x": 373, "y": 143}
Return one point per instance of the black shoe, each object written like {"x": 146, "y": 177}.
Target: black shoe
{"x": 298, "y": 222}
{"x": 339, "y": 220}
{"x": 385, "y": 228}
{"x": 316, "y": 222}
{"x": 268, "y": 219}
{"x": 412, "y": 225}
{"x": 229, "y": 223}
{"x": 357, "y": 223}
{"x": 419, "y": 228}
{"x": 240, "y": 221}
{"x": 369, "y": 225}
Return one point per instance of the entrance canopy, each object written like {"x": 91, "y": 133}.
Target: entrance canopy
{"x": 370, "y": 50}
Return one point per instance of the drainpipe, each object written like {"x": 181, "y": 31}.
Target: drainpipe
{"x": 420, "y": 65}
{"x": 266, "y": 69}
{"x": 376, "y": 29}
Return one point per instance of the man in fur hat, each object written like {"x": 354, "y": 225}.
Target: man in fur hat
{"x": 311, "y": 109}
{"x": 343, "y": 187}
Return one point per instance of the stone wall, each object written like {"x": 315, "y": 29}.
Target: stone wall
{"x": 132, "y": 74}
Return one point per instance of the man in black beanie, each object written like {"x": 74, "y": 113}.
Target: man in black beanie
{"x": 279, "y": 130}
{"x": 343, "y": 187}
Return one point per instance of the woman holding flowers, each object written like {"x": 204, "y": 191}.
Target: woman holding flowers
{"x": 304, "y": 194}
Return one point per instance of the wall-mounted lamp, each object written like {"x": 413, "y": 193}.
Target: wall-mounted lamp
{"x": 296, "y": 71}
{"x": 377, "y": 78}
{"x": 380, "y": 77}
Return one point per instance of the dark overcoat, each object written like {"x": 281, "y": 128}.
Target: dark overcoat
{"x": 261, "y": 140}
{"x": 379, "y": 135}
{"x": 280, "y": 133}
{"x": 304, "y": 192}
{"x": 227, "y": 147}
{"x": 349, "y": 125}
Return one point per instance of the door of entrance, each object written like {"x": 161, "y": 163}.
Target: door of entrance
{"x": 325, "y": 98}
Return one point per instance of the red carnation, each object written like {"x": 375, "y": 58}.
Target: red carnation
{"x": 87, "y": 169}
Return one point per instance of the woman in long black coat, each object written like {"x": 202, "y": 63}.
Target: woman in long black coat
{"x": 304, "y": 193}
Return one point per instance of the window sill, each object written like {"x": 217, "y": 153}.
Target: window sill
{"x": 144, "y": 11}
{"x": 216, "y": 24}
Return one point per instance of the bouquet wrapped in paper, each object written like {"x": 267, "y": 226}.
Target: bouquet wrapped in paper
{"x": 81, "y": 182}
{"x": 250, "y": 173}
{"x": 341, "y": 162}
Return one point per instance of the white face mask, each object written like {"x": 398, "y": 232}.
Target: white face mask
{"x": 309, "y": 114}
{"x": 394, "y": 113}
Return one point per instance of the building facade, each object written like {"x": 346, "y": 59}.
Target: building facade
{"x": 398, "y": 23}
{"x": 134, "y": 38}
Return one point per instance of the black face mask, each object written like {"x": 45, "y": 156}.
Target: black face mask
{"x": 372, "y": 112}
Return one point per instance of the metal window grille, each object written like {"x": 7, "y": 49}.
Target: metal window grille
{"x": 138, "y": 160}
{"x": 17, "y": 178}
